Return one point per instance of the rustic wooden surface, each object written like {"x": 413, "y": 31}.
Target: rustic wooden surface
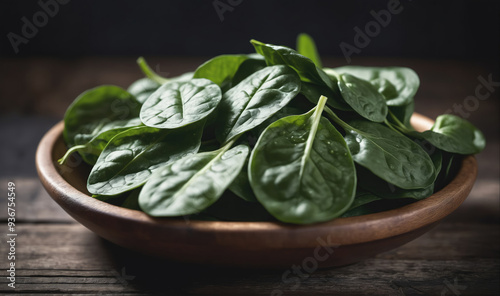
{"x": 56, "y": 255}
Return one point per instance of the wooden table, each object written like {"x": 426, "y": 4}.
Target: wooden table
{"x": 56, "y": 255}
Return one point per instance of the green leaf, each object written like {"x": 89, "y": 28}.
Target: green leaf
{"x": 91, "y": 150}
{"x": 403, "y": 114}
{"x": 176, "y": 104}
{"x": 363, "y": 97}
{"x": 220, "y": 68}
{"x": 313, "y": 91}
{"x": 398, "y": 84}
{"x": 133, "y": 155}
{"x": 386, "y": 190}
{"x": 454, "y": 134}
{"x": 191, "y": 184}
{"x": 143, "y": 88}
{"x": 362, "y": 198}
{"x": 389, "y": 154}
{"x": 254, "y": 100}
{"x": 301, "y": 170}
{"x": 305, "y": 67}
{"x": 307, "y": 48}
{"x": 248, "y": 67}
{"x": 98, "y": 110}
{"x": 241, "y": 185}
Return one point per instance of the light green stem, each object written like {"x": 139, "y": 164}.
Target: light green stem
{"x": 69, "y": 152}
{"x": 149, "y": 72}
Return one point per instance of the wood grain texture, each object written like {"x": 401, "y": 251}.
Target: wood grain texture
{"x": 68, "y": 258}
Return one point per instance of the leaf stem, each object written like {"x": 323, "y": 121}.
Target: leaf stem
{"x": 312, "y": 134}
{"x": 398, "y": 122}
{"x": 149, "y": 72}
{"x": 339, "y": 121}
{"x": 397, "y": 129}
{"x": 69, "y": 152}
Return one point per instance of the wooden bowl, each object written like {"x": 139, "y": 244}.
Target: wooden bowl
{"x": 247, "y": 244}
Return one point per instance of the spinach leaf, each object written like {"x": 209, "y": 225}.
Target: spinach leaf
{"x": 398, "y": 84}
{"x": 133, "y": 155}
{"x": 241, "y": 185}
{"x": 402, "y": 114}
{"x": 454, "y": 134}
{"x": 220, "y": 68}
{"x": 313, "y": 91}
{"x": 191, "y": 184}
{"x": 314, "y": 80}
{"x": 98, "y": 110}
{"x": 91, "y": 150}
{"x": 253, "y": 64}
{"x": 369, "y": 182}
{"x": 363, "y": 97}
{"x": 307, "y": 48}
{"x": 255, "y": 99}
{"x": 176, "y": 104}
{"x": 388, "y": 154}
{"x": 386, "y": 190}
{"x": 143, "y": 88}
{"x": 301, "y": 170}
{"x": 305, "y": 67}
{"x": 362, "y": 198}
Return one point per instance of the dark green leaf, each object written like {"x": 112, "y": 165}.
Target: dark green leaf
{"x": 389, "y": 154}
{"x": 193, "y": 183}
{"x": 301, "y": 170}
{"x": 254, "y": 100}
{"x": 241, "y": 185}
{"x": 363, "y": 97}
{"x": 91, "y": 150}
{"x": 313, "y": 91}
{"x": 177, "y": 104}
{"x": 397, "y": 84}
{"x": 454, "y": 134}
{"x": 248, "y": 67}
{"x": 98, "y": 110}
{"x": 143, "y": 88}
{"x": 133, "y": 155}
{"x": 305, "y": 67}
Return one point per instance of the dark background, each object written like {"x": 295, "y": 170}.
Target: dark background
{"x": 427, "y": 29}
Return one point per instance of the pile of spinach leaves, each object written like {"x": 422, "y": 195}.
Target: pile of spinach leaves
{"x": 264, "y": 136}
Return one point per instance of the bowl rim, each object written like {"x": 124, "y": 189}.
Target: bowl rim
{"x": 341, "y": 231}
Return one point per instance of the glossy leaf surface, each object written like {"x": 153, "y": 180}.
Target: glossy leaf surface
{"x": 98, "y": 110}
{"x": 133, "y": 155}
{"x": 191, "y": 184}
{"x": 176, "y": 104}
{"x": 398, "y": 84}
{"x": 254, "y": 100}
{"x": 363, "y": 97}
{"x": 301, "y": 169}
{"x": 389, "y": 155}
{"x": 220, "y": 68}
